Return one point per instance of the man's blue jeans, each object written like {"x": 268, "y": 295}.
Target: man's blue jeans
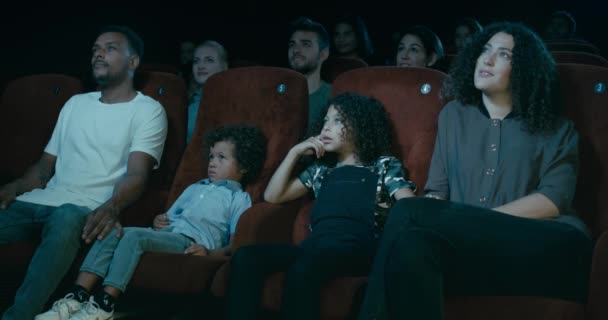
{"x": 59, "y": 229}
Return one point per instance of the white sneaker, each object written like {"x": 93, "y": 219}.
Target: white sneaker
{"x": 91, "y": 311}
{"x": 62, "y": 309}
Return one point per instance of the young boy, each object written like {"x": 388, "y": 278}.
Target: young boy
{"x": 200, "y": 222}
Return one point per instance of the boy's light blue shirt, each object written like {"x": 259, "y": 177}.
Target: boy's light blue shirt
{"x": 209, "y": 211}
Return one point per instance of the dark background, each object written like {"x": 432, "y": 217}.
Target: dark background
{"x": 54, "y": 37}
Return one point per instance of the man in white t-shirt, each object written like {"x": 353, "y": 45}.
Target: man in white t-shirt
{"x": 97, "y": 162}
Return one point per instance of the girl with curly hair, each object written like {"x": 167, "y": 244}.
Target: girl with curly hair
{"x": 354, "y": 183}
{"x": 497, "y": 218}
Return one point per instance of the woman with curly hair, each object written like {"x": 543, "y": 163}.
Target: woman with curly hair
{"x": 497, "y": 218}
{"x": 353, "y": 191}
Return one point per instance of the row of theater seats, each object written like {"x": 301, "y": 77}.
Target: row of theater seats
{"x": 559, "y": 56}
{"x": 334, "y": 66}
{"x": 276, "y": 100}
{"x": 578, "y": 45}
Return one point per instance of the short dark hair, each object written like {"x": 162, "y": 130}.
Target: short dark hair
{"x": 568, "y": 17}
{"x": 365, "y": 47}
{"x": 430, "y": 40}
{"x": 249, "y": 147}
{"x": 473, "y": 25}
{"x": 534, "y": 80}
{"x": 135, "y": 42}
{"x": 366, "y": 122}
{"x": 307, "y": 24}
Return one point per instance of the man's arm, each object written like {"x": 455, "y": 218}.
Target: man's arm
{"x": 128, "y": 189}
{"x": 37, "y": 176}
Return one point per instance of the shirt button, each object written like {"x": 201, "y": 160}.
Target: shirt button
{"x": 483, "y": 199}
{"x": 490, "y": 172}
{"x": 493, "y": 147}
{"x": 495, "y": 122}
{"x": 363, "y": 180}
{"x": 202, "y": 196}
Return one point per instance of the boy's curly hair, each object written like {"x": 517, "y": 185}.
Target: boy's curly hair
{"x": 533, "y": 81}
{"x": 249, "y": 147}
{"x": 366, "y": 124}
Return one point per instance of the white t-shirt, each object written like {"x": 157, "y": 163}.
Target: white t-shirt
{"x": 92, "y": 141}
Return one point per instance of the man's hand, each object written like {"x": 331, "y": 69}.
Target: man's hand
{"x": 160, "y": 221}
{"x": 8, "y": 193}
{"x": 100, "y": 222}
{"x": 196, "y": 250}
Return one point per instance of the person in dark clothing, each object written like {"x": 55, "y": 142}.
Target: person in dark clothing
{"x": 497, "y": 218}
{"x": 351, "y": 143}
{"x": 351, "y": 38}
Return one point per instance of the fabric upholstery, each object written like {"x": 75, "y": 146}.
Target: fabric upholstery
{"x": 579, "y": 57}
{"x": 413, "y": 115}
{"x": 170, "y": 90}
{"x": 333, "y": 67}
{"x": 29, "y": 110}
{"x": 585, "y": 99}
{"x": 507, "y": 308}
{"x": 585, "y": 102}
{"x": 572, "y": 45}
{"x": 587, "y": 108}
{"x": 598, "y": 282}
{"x": 275, "y": 100}
{"x": 162, "y": 67}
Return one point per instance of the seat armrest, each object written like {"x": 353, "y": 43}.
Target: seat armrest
{"x": 266, "y": 223}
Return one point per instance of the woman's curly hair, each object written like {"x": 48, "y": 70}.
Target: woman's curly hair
{"x": 249, "y": 147}
{"x": 533, "y": 82}
{"x": 366, "y": 124}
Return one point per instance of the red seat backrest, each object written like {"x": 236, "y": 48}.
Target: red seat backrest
{"x": 572, "y": 45}
{"x": 273, "y": 99}
{"x": 170, "y": 91}
{"x": 579, "y": 57}
{"x": 162, "y": 67}
{"x": 334, "y": 66}
{"x": 412, "y": 98}
{"x": 585, "y": 99}
{"x": 29, "y": 110}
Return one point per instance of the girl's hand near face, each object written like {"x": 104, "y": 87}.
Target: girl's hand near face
{"x": 310, "y": 146}
{"x": 282, "y": 186}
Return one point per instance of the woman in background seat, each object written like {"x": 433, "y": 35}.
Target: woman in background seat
{"x": 419, "y": 47}
{"x": 209, "y": 58}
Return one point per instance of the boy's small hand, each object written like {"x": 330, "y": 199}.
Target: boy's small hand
{"x": 196, "y": 250}
{"x": 8, "y": 193}
{"x": 160, "y": 221}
